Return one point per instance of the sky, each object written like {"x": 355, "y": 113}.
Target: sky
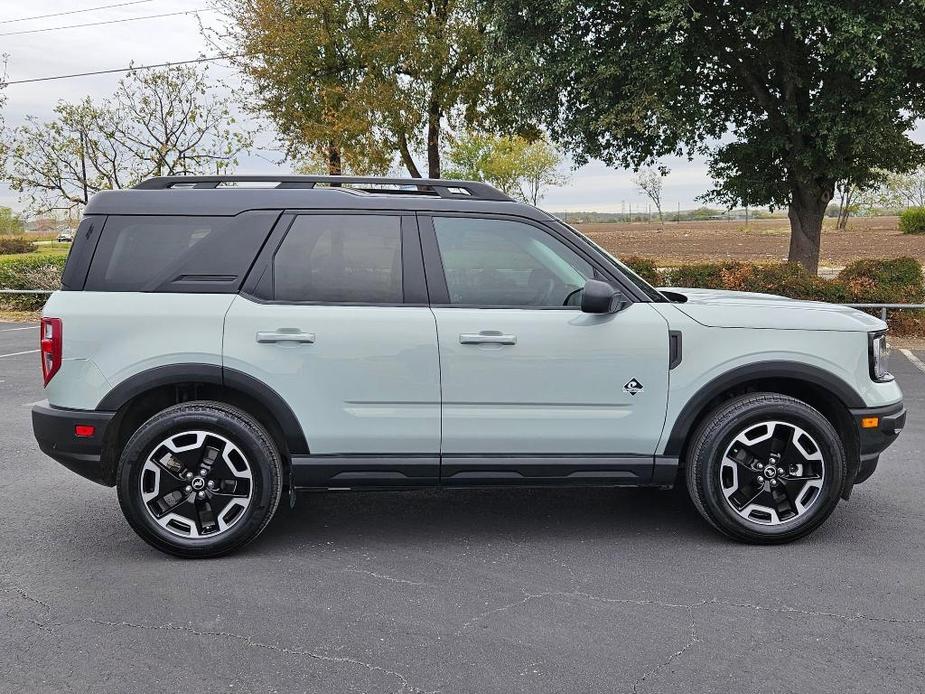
{"x": 594, "y": 187}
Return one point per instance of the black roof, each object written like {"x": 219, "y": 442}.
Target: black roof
{"x": 225, "y": 196}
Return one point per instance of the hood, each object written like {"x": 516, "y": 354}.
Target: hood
{"x": 720, "y": 308}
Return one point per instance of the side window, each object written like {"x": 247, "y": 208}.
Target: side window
{"x": 340, "y": 259}
{"x": 494, "y": 262}
{"x": 173, "y": 253}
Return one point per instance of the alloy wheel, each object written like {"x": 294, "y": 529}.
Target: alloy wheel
{"x": 772, "y": 473}
{"x": 196, "y": 484}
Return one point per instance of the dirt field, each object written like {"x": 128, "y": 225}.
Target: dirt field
{"x": 765, "y": 239}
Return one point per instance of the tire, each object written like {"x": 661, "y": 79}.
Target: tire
{"x": 736, "y": 497}
{"x": 176, "y": 508}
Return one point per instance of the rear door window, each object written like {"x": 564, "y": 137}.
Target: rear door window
{"x": 177, "y": 253}
{"x": 340, "y": 258}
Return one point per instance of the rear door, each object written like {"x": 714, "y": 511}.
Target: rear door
{"x": 334, "y": 318}
{"x": 533, "y": 389}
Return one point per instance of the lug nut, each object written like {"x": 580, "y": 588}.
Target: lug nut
{"x": 773, "y": 483}
{"x": 210, "y": 484}
{"x": 189, "y": 475}
{"x": 189, "y": 488}
{"x": 760, "y": 478}
{"x": 201, "y": 495}
{"x": 202, "y": 472}
{"x": 780, "y": 471}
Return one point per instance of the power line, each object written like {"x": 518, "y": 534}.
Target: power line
{"x": 60, "y": 14}
{"x": 125, "y": 69}
{"x": 108, "y": 21}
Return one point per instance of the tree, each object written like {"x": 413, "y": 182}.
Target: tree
{"x": 514, "y": 165}
{"x": 784, "y": 98}
{"x": 649, "y": 181}
{"x": 158, "y": 123}
{"x": 10, "y": 223}
{"x": 906, "y": 190}
{"x": 361, "y": 82}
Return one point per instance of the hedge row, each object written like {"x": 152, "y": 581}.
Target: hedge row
{"x": 30, "y": 272}
{"x": 893, "y": 281}
{"x": 897, "y": 280}
{"x": 15, "y": 244}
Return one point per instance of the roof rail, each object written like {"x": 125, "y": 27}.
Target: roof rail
{"x": 444, "y": 188}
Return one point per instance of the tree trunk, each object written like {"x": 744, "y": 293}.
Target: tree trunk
{"x": 433, "y": 138}
{"x": 806, "y": 212}
{"x": 406, "y": 157}
{"x": 334, "y": 163}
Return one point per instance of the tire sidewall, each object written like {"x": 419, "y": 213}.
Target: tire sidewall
{"x": 711, "y": 453}
{"x": 263, "y": 464}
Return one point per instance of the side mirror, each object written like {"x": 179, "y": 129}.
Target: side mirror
{"x": 600, "y": 297}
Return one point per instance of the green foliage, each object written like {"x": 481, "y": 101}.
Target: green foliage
{"x": 31, "y": 272}
{"x": 515, "y": 165}
{"x": 16, "y": 244}
{"x": 784, "y": 98}
{"x": 356, "y": 83}
{"x": 645, "y": 268}
{"x": 9, "y": 222}
{"x": 912, "y": 221}
{"x": 157, "y": 123}
{"x": 898, "y": 280}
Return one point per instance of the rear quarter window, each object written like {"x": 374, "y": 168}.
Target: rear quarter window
{"x": 172, "y": 253}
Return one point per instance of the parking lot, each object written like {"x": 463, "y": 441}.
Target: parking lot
{"x": 469, "y": 591}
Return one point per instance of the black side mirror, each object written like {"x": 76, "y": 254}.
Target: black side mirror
{"x": 600, "y": 297}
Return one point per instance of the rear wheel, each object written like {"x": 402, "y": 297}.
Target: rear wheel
{"x": 765, "y": 468}
{"x": 199, "y": 479}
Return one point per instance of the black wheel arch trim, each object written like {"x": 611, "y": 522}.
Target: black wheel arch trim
{"x": 177, "y": 374}
{"x": 758, "y": 371}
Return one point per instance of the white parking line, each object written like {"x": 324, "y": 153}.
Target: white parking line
{"x": 916, "y": 362}
{"x": 16, "y": 354}
{"x": 28, "y": 327}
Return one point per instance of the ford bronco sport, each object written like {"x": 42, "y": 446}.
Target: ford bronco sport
{"x": 220, "y": 341}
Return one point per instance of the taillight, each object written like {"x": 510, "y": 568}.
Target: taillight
{"x": 51, "y": 347}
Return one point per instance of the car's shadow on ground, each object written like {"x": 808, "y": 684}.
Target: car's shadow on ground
{"x": 436, "y": 516}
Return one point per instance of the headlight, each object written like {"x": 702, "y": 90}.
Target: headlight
{"x": 878, "y": 356}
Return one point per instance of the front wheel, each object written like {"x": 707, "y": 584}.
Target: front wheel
{"x": 199, "y": 479}
{"x": 765, "y": 468}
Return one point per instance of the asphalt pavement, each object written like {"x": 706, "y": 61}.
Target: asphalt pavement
{"x": 457, "y": 591}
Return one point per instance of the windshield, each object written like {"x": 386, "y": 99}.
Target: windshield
{"x": 650, "y": 291}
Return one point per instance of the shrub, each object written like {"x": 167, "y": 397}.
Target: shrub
{"x": 912, "y": 220}
{"x": 36, "y": 272}
{"x": 706, "y": 275}
{"x": 893, "y": 281}
{"x": 884, "y": 281}
{"x": 645, "y": 268}
{"x": 16, "y": 244}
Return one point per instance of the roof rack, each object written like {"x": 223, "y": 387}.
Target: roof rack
{"x": 471, "y": 190}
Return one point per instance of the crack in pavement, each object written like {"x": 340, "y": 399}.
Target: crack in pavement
{"x": 693, "y": 639}
{"x": 383, "y": 577}
{"x": 243, "y": 638}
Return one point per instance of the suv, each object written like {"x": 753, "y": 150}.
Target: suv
{"x": 220, "y": 341}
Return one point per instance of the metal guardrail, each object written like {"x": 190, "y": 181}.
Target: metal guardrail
{"x": 883, "y": 307}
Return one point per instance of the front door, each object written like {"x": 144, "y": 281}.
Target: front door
{"x": 533, "y": 389}
{"x": 338, "y": 326}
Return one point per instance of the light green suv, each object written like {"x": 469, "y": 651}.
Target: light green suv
{"x": 219, "y": 341}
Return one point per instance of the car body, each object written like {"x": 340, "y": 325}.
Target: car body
{"x": 354, "y": 333}
{"x": 65, "y": 237}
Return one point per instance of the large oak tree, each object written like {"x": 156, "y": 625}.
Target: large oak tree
{"x": 783, "y": 98}
{"x": 360, "y": 82}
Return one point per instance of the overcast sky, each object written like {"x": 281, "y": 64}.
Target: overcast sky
{"x": 176, "y": 38}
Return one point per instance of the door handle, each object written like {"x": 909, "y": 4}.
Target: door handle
{"x": 272, "y": 336}
{"x": 487, "y": 337}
